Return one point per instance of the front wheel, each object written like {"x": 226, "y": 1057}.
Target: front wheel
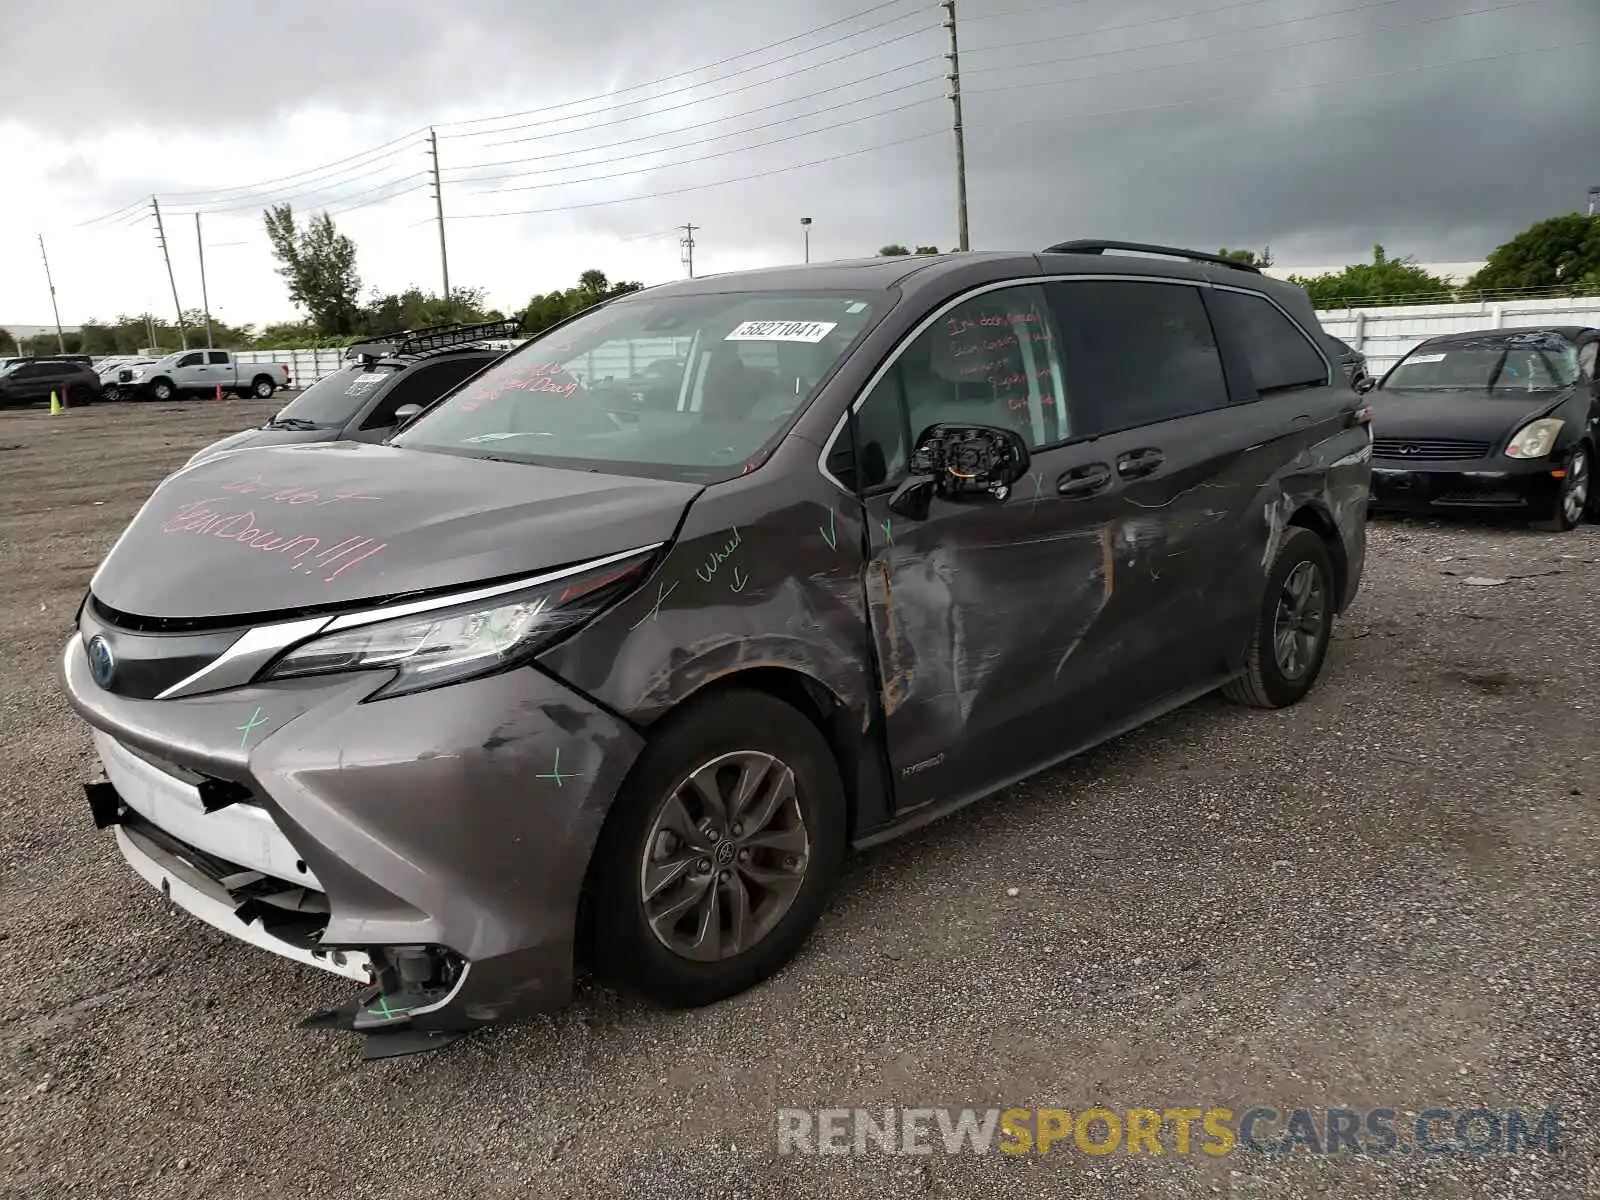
{"x": 1573, "y": 501}
{"x": 1290, "y": 640}
{"x": 162, "y": 390}
{"x": 263, "y": 388}
{"x": 719, "y": 853}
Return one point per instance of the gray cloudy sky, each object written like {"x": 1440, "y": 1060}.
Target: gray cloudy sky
{"x": 1318, "y": 126}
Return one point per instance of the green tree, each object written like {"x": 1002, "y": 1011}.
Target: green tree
{"x": 417, "y": 309}
{"x": 319, "y": 265}
{"x": 553, "y": 307}
{"x": 8, "y": 343}
{"x": 896, "y": 250}
{"x": 1261, "y": 258}
{"x": 1561, "y": 252}
{"x": 1383, "y": 280}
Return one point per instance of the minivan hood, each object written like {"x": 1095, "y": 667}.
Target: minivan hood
{"x": 1471, "y": 416}
{"x": 313, "y": 526}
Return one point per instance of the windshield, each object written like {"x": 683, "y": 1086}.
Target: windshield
{"x": 1504, "y": 365}
{"x": 334, "y": 399}
{"x": 690, "y": 387}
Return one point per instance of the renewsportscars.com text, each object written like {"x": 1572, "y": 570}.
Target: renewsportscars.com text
{"x": 1376, "y": 1132}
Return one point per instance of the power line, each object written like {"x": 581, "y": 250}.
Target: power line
{"x": 1294, "y": 87}
{"x": 609, "y": 97}
{"x": 692, "y": 103}
{"x": 299, "y": 175}
{"x": 281, "y": 195}
{"x": 257, "y": 203}
{"x": 684, "y": 162}
{"x": 1198, "y": 62}
{"x": 645, "y": 137}
{"x": 703, "y": 186}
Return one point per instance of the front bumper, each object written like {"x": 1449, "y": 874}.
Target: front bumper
{"x": 457, "y": 823}
{"x": 1495, "y": 485}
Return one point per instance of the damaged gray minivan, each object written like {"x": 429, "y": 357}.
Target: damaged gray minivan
{"x": 615, "y": 651}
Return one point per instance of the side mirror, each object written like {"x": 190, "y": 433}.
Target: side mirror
{"x": 405, "y": 413}
{"x": 961, "y": 464}
{"x": 1365, "y": 384}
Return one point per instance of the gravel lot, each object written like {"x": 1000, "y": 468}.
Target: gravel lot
{"x": 1384, "y": 896}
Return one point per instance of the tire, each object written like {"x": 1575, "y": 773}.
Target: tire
{"x": 111, "y": 394}
{"x": 1266, "y": 682}
{"x": 1576, "y": 498}
{"x": 624, "y": 948}
{"x": 79, "y": 396}
{"x": 162, "y": 390}
{"x": 263, "y": 388}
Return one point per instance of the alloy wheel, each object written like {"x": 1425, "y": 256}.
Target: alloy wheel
{"x": 725, "y": 858}
{"x": 1575, "y": 493}
{"x": 1297, "y": 624}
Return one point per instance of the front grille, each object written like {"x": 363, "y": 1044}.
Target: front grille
{"x": 1427, "y": 449}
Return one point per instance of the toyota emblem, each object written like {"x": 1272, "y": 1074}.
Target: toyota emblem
{"x": 102, "y": 663}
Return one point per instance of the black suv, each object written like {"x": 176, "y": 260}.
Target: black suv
{"x": 28, "y": 380}
{"x": 388, "y": 381}
{"x": 582, "y": 663}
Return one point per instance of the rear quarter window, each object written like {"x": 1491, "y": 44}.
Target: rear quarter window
{"x": 1279, "y": 353}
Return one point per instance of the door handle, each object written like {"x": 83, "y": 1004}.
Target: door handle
{"x": 1136, "y": 463}
{"x": 1083, "y": 481}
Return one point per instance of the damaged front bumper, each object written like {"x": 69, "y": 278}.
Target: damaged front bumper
{"x": 431, "y": 846}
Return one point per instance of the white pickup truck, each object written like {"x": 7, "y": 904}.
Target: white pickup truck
{"x": 202, "y": 372}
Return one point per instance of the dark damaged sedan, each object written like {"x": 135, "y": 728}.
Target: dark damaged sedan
{"x": 1500, "y": 420}
{"x": 571, "y": 672}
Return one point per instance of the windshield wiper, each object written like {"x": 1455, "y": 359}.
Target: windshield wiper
{"x": 291, "y": 423}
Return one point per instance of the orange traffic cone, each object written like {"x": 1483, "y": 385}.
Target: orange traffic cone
{"x": 55, "y": 404}
{"x": 219, "y": 391}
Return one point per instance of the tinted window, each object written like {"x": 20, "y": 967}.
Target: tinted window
{"x": 217, "y": 357}
{"x": 585, "y": 395}
{"x": 335, "y": 399}
{"x": 1136, "y": 353}
{"x": 992, "y": 360}
{"x": 422, "y": 385}
{"x": 1279, "y": 354}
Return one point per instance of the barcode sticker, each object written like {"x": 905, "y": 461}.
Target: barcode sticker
{"x": 781, "y": 331}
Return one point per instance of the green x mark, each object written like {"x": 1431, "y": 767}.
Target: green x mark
{"x": 383, "y": 1009}
{"x": 555, "y": 772}
{"x": 249, "y": 726}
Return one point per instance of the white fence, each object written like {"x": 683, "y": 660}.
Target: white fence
{"x": 1384, "y": 335}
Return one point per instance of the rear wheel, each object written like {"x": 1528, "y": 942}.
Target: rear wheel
{"x": 1573, "y": 501}
{"x": 719, "y": 854}
{"x": 79, "y": 396}
{"x": 263, "y": 388}
{"x": 1292, "y": 628}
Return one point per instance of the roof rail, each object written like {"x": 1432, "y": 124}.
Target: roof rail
{"x": 1094, "y": 246}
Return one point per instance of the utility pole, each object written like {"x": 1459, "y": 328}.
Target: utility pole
{"x": 161, "y": 237}
{"x": 438, "y": 207}
{"x": 687, "y": 242}
{"x": 61, "y": 338}
{"x": 1594, "y": 197}
{"x": 949, "y": 7}
{"x": 805, "y": 228}
{"x": 205, "y": 298}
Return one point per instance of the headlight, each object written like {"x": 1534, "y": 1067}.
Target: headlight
{"x": 446, "y": 645}
{"x": 138, "y": 373}
{"x": 1535, "y": 439}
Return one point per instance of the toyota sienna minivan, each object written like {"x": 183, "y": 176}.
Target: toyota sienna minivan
{"x": 614, "y": 652}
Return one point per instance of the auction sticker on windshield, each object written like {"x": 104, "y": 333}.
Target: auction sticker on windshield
{"x": 1425, "y": 358}
{"x": 781, "y": 331}
{"x": 362, "y": 382}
